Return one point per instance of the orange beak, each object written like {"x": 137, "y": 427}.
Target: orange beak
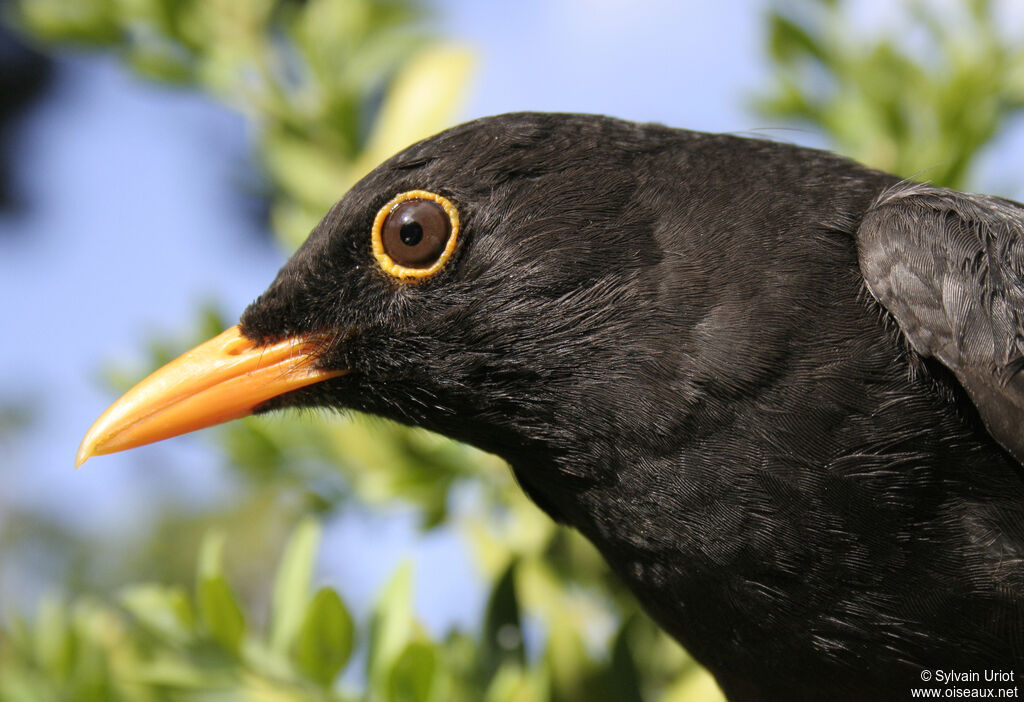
{"x": 222, "y": 379}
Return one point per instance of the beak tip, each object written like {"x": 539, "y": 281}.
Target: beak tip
{"x": 85, "y": 452}
{"x": 92, "y": 444}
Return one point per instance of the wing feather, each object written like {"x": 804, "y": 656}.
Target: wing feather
{"x": 949, "y": 267}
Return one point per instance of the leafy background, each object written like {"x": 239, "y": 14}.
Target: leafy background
{"x": 214, "y": 592}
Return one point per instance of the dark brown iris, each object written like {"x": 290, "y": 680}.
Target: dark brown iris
{"x": 415, "y": 233}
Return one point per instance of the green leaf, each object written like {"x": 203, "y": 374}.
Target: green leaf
{"x": 570, "y": 667}
{"x": 220, "y": 613}
{"x": 697, "y": 685}
{"x": 788, "y": 41}
{"x": 182, "y": 676}
{"x": 391, "y": 627}
{"x": 623, "y": 676}
{"x": 304, "y": 169}
{"x": 85, "y": 21}
{"x": 164, "y": 610}
{"x": 54, "y": 639}
{"x": 414, "y": 676}
{"x": 292, "y": 585}
{"x": 92, "y": 675}
{"x": 325, "y": 639}
{"x": 211, "y": 555}
{"x": 218, "y": 609}
{"x": 502, "y": 637}
{"x": 514, "y": 684}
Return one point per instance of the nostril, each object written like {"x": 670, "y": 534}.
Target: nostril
{"x": 237, "y": 346}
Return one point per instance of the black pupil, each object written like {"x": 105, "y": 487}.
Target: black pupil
{"x": 411, "y": 233}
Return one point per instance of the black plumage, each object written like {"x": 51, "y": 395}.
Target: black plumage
{"x": 778, "y": 390}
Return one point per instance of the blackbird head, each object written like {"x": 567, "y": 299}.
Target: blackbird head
{"x": 495, "y": 283}
{"x": 498, "y": 283}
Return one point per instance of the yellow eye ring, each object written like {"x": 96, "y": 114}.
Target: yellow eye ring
{"x": 412, "y": 228}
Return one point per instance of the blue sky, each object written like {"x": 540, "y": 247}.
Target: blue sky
{"x": 128, "y": 182}
{"x": 687, "y": 64}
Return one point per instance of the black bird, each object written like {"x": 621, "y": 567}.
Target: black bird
{"x": 779, "y": 391}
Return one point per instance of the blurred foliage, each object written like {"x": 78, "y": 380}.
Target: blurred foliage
{"x": 24, "y": 76}
{"x": 155, "y": 642}
{"x": 332, "y": 87}
{"x": 919, "y": 98}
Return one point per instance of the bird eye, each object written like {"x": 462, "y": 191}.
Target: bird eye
{"x": 414, "y": 235}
